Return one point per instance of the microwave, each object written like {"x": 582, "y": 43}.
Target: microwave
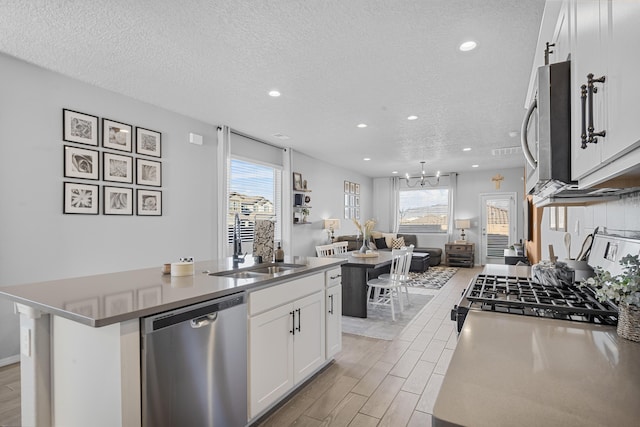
{"x": 546, "y": 131}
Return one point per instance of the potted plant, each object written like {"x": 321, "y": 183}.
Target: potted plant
{"x": 305, "y": 214}
{"x": 624, "y": 290}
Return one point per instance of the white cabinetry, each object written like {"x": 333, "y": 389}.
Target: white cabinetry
{"x": 333, "y": 304}
{"x": 604, "y": 37}
{"x": 286, "y": 338}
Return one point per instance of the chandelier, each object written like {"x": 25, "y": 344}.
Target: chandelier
{"x": 422, "y": 179}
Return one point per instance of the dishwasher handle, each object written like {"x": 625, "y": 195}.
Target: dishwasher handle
{"x": 204, "y": 320}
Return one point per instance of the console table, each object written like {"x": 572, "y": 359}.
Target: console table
{"x": 459, "y": 254}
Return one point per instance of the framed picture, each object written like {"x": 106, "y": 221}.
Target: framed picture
{"x": 86, "y": 308}
{"x": 346, "y": 200}
{"x": 352, "y": 200}
{"x": 352, "y": 187}
{"x": 561, "y": 222}
{"x": 118, "y": 201}
{"x": 116, "y": 135}
{"x": 347, "y": 213}
{"x": 79, "y": 127}
{"x": 346, "y": 186}
{"x": 357, "y": 201}
{"x": 352, "y": 212}
{"x": 80, "y": 198}
{"x": 357, "y": 213}
{"x": 297, "y": 181}
{"x": 552, "y": 218}
{"x": 148, "y": 297}
{"x": 148, "y": 142}
{"x": 118, "y": 303}
{"x": 149, "y": 172}
{"x": 117, "y": 168}
{"x": 357, "y": 188}
{"x": 149, "y": 203}
{"x": 80, "y": 163}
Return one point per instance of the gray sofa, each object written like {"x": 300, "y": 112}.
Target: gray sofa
{"x": 435, "y": 254}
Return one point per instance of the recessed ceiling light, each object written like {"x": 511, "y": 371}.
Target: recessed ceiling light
{"x": 466, "y": 149}
{"x": 412, "y": 117}
{"x": 475, "y": 166}
{"x": 366, "y": 159}
{"x": 362, "y": 125}
{"x": 468, "y": 45}
{"x": 394, "y": 172}
{"x": 513, "y": 134}
{"x": 274, "y": 93}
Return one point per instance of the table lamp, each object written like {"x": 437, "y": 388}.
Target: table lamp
{"x": 461, "y": 224}
{"x": 331, "y": 224}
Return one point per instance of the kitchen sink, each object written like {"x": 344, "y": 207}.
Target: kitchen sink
{"x": 258, "y": 271}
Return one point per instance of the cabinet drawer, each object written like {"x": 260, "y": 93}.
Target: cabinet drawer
{"x": 284, "y": 292}
{"x": 333, "y": 277}
{"x": 459, "y": 248}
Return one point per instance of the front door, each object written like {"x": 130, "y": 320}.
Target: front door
{"x": 498, "y": 221}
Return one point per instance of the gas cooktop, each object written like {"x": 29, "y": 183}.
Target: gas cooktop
{"x": 523, "y": 296}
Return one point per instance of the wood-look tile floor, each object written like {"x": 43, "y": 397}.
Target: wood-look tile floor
{"x": 383, "y": 383}
{"x": 371, "y": 382}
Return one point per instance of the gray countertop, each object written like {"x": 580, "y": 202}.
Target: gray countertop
{"x": 528, "y": 371}
{"x": 105, "y": 299}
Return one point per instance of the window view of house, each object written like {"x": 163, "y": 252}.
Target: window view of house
{"x": 254, "y": 194}
{"x": 424, "y": 210}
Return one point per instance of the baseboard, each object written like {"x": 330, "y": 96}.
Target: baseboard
{"x": 9, "y": 360}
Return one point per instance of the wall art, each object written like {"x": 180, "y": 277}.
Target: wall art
{"x": 148, "y": 142}
{"x": 80, "y": 163}
{"x": 79, "y": 127}
{"x": 149, "y": 172}
{"x": 116, "y": 135}
{"x": 80, "y": 198}
{"x": 117, "y": 168}
{"x": 149, "y": 202}
{"x": 346, "y": 186}
{"x": 117, "y": 201}
{"x": 297, "y": 181}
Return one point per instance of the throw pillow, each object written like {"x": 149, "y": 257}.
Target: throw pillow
{"x": 397, "y": 243}
{"x": 388, "y": 237}
{"x": 381, "y": 243}
{"x": 376, "y": 234}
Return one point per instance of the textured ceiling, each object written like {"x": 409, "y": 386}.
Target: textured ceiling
{"x": 337, "y": 63}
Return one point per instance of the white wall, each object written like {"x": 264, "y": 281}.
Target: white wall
{"x": 39, "y": 242}
{"x": 326, "y": 182}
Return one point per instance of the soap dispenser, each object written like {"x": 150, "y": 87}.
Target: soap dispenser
{"x": 279, "y": 254}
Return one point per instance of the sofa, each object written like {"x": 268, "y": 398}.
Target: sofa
{"x": 355, "y": 242}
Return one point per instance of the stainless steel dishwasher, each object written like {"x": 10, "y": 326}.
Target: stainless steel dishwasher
{"x": 194, "y": 365}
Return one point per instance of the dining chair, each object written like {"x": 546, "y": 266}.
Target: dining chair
{"x": 383, "y": 291}
{"x": 340, "y": 247}
{"x": 404, "y": 278}
{"x": 324, "y": 250}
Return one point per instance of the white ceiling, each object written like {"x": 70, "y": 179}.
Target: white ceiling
{"x": 337, "y": 63}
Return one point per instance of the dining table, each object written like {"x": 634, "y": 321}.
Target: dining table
{"x": 358, "y": 269}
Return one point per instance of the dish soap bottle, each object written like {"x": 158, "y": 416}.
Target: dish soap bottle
{"x": 279, "y": 254}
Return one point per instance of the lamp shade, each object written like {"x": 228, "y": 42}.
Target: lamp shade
{"x": 331, "y": 224}
{"x": 463, "y": 223}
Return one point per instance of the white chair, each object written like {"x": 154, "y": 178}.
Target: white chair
{"x": 340, "y": 247}
{"x": 385, "y": 290}
{"x": 324, "y": 250}
{"x": 404, "y": 277}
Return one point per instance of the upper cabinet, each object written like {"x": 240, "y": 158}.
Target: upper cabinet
{"x": 604, "y": 60}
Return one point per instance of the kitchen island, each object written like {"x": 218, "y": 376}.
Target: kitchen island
{"x": 530, "y": 371}
{"x": 80, "y": 337}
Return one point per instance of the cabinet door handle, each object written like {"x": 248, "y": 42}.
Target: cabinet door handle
{"x": 591, "y": 89}
{"x": 583, "y": 116}
{"x": 298, "y": 329}
{"x": 293, "y": 322}
{"x": 331, "y": 304}
{"x": 335, "y": 277}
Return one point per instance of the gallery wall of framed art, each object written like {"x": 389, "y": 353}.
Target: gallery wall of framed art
{"x": 129, "y": 157}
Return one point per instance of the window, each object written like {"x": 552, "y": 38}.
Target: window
{"x": 424, "y": 210}
{"x": 254, "y": 193}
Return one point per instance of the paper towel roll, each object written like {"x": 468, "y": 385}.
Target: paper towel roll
{"x": 182, "y": 269}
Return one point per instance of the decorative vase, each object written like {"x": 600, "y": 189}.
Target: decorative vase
{"x": 364, "y": 248}
{"x": 629, "y": 321}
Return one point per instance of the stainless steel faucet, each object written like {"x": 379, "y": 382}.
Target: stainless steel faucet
{"x": 238, "y": 258}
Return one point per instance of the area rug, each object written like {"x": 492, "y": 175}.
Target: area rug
{"x": 434, "y": 278}
{"x": 378, "y": 323}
